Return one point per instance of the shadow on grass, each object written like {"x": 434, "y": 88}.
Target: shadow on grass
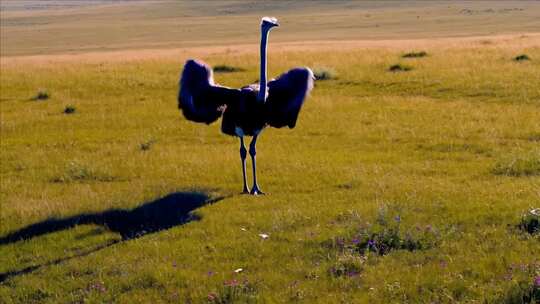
{"x": 172, "y": 210}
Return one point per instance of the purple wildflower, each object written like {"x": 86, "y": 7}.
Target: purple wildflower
{"x": 353, "y": 273}
{"x": 355, "y": 241}
{"x": 537, "y": 281}
{"x": 99, "y": 286}
{"x": 397, "y": 218}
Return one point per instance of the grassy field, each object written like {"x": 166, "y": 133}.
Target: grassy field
{"x": 395, "y": 187}
{"x": 60, "y": 27}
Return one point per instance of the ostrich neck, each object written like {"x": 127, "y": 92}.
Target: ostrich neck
{"x": 262, "y": 79}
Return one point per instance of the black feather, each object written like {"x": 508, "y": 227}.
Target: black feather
{"x": 286, "y": 97}
{"x": 199, "y": 98}
{"x": 203, "y": 101}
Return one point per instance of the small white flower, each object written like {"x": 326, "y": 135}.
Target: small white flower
{"x": 239, "y": 270}
{"x": 535, "y": 211}
{"x": 264, "y": 236}
{"x": 243, "y": 229}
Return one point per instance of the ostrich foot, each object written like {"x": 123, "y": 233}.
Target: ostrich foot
{"x": 256, "y": 191}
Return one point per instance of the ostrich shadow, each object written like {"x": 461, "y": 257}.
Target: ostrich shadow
{"x": 172, "y": 210}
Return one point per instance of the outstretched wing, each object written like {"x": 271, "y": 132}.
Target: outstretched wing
{"x": 286, "y": 94}
{"x": 199, "y": 98}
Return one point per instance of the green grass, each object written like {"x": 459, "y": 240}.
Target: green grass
{"x": 519, "y": 166}
{"x": 422, "y": 145}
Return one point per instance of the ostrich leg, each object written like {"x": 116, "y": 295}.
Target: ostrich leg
{"x": 243, "y": 156}
{"x": 252, "y": 152}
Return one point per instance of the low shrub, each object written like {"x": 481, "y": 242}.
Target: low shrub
{"x": 399, "y": 68}
{"x": 415, "y": 54}
{"x": 522, "y": 57}
{"x": 387, "y": 235}
{"x": 41, "y": 95}
{"x": 530, "y": 221}
{"x": 347, "y": 265}
{"x": 145, "y": 146}
{"x": 523, "y": 292}
{"x": 69, "y": 109}
{"x": 222, "y": 68}
{"x": 324, "y": 73}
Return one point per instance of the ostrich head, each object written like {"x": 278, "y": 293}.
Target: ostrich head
{"x": 268, "y": 23}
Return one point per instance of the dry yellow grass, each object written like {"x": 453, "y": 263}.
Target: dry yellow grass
{"x": 514, "y": 42}
{"x": 173, "y": 24}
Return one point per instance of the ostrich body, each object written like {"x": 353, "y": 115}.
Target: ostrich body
{"x": 246, "y": 111}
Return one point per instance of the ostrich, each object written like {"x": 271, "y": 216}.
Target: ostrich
{"x": 246, "y": 111}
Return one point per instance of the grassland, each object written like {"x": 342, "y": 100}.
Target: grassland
{"x": 444, "y": 158}
{"x": 61, "y": 27}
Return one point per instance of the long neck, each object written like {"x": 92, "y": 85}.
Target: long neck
{"x": 262, "y": 79}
